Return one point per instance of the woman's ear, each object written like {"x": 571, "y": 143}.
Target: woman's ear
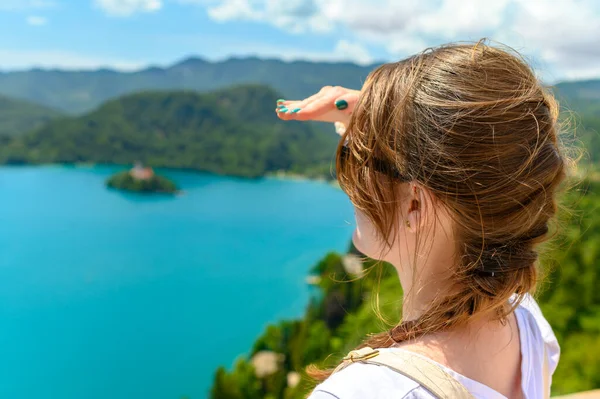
{"x": 415, "y": 208}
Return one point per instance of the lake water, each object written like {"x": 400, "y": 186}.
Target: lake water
{"x": 112, "y": 295}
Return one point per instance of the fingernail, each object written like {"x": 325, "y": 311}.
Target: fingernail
{"x": 296, "y": 110}
{"x": 280, "y": 100}
{"x": 283, "y": 110}
{"x": 280, "y": 106}
{"x": 341, "y": 104}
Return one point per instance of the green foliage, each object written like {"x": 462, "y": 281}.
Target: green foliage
{"x": 232, "y": 132}
{"x": 569, "y": 299}
{"x": 155, "y": 184}
{"x": 241, "y": 384}
{"x": 342, "y": 304}
{"x": 18, "y": 117}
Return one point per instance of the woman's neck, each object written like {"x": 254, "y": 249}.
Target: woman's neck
{"x": 424, "y": 256}
{"x": 423, "y": 284}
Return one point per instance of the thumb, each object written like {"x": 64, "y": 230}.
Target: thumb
{"x": 340, "y": 128}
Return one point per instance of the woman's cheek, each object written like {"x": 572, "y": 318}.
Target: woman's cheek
{"x": 364, "y": 237}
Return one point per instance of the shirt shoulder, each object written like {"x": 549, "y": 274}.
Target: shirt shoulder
{"x": 535, "y": 320}
{"x": 369, "y": 381}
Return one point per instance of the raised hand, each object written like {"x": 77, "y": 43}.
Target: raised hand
{"x": 330, "y": 104}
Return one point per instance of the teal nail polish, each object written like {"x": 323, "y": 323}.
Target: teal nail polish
{"x": 280, "y": 100}
{"x": 296, "y": 110}
{"x": 280, "y": 106}
{"x": 283, "y": 110}
{"x": 341, "y": 104}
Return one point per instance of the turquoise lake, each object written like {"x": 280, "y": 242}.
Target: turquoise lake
{"x": 112, "y": 295}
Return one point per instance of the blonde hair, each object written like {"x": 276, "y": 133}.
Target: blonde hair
{"x": 474, "y": 126}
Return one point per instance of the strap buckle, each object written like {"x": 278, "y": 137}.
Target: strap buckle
{"x": 361, "y": 354}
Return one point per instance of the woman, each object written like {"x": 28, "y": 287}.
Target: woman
{"x": 452, "y": 161}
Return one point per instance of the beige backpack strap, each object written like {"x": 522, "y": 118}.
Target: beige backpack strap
{"x": 428, "y": 374}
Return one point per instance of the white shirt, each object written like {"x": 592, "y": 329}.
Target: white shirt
{"x": 368, "y": 381}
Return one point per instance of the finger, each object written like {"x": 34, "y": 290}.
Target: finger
{"x": 283, "y": 105}
{"x": 288, "y": 109}
{"x": 318, "y": 107}
{"x": 283, "y": 102}
{"x": 284, "y": 108}
{"x": 284, "y": 112}
{"x": 337, "y": 104}
{"x": 333, "y": 108}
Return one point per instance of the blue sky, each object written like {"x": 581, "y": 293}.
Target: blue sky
{"x": 561, "y": 37}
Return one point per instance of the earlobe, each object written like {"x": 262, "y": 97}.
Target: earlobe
{"x": 412, "y": 221}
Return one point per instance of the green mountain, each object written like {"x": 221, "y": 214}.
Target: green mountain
{"x": 580, "y": 104}
{"x": 581, "y": 92}
{"x": 17, "y": 116}
{"x": 82, "y": 91}
{"x": 233, "y": 131}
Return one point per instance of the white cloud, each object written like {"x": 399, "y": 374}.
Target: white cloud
{"x": 459, "y": 18}
{"x": 293, "y": 15}
{"x": 232, "y": 10}
{"x": 36, "y": 20}
{"x": 350, "y": 51}
{"x": 563, "y": 34}
{"x": 125, "y": 8}
{"x": 25, "y": 59}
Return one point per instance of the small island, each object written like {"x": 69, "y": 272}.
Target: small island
{"x": 142, "y": 180}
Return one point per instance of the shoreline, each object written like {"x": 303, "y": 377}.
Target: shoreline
{"x": 292, "y": 176}
{"x": 279, "y": 175}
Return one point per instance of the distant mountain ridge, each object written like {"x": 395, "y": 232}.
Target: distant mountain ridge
{"x": 77, "y": 92}
{"x": 581, "y": 89}
{"x": 17, "y": 116}
{"x": 232, "y": 131}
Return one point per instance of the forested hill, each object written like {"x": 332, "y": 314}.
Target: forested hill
{"x": 17, "y": 116}
{"x": 581, "y": 92}
{"x": 233, "y": 131}
{"x": 580, "y": 101}
{"x": 81, "y": 91}
{"x": 122, "y": 122}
